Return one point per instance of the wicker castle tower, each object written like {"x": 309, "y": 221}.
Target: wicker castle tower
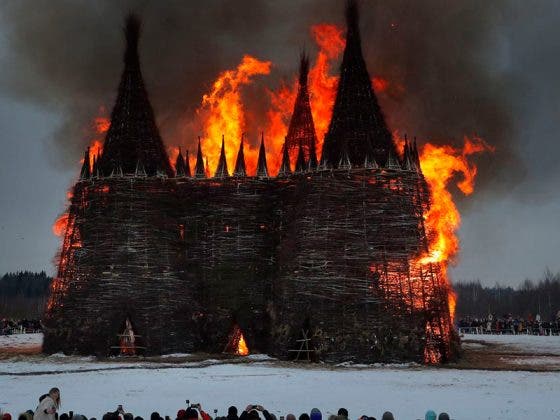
{"x": 323, "y": 254}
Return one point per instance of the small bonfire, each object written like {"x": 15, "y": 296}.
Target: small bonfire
{"x": 236, "y": 343}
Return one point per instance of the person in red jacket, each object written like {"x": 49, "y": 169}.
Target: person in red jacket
{"x": 195, "y": 412}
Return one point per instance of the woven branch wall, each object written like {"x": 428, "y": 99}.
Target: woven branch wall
{"x": 331, "y": 252}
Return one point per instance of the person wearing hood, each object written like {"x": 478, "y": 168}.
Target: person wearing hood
{"x": 430, "y": 415}
{"x": 315, "y": 414}
{"x": 48, "y": 406}
{"x": 232, "y": 413}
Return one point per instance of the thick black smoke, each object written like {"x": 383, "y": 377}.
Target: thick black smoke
{"x": 454, "y": 68}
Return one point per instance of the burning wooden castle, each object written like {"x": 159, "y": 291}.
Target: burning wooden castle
{"x": 324, "y": 258}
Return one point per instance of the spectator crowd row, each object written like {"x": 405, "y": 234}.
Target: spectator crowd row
{"x": 20, "y": 326}
{"x": 50, "y": 404}
{"x": 509, "y": 324}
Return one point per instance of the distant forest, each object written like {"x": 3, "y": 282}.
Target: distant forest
{"x": 23, "y": 294}
{"x": 530, "y": 298}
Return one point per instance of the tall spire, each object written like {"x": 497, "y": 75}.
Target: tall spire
{"x": 133, "y": 134}
{"x": 357, "y": 123}
{"x": 222, "y": 169}
{"x": 179, "y": 165}
{"x": 285, "y": 168}
{"x": 240, "y": 169}
{"x": 262, "y": 167}
{"x": 85, "y": 173}
{"x": 302, "y": 129}
{"x": 199, "y": 171}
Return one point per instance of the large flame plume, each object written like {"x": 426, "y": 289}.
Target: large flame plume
{"x": 223, "y": 114}
{"x": 440, "y": 165}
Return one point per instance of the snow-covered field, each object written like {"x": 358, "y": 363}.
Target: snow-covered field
{"x": 408, "y": 391}
{"x": 20, "y": 341}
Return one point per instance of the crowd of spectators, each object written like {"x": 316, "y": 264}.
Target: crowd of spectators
{"x": 509, "y": 324}
{"x": 21, "y": 326}
{"x": 49, "y": 406}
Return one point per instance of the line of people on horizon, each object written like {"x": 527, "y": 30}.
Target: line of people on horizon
{"x": 20, "y": 326}
{"x": 509, "y": 324}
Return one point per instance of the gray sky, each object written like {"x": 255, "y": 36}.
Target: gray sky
{"x": 490, "y": 68}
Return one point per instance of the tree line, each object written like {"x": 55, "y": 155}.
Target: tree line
{"x": 23, "y": 294}
{"x": 529, "y": 298}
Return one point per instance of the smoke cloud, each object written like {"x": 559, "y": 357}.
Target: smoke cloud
{"x": 454, "y": 68}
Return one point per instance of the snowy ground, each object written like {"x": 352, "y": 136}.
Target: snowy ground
{"x": 20, "y": 341}
{"x": 92, "y": 387}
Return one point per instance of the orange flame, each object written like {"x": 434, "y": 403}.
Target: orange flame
{"x": 100, "y": 125}
{"x": 59, "y": 227}
{"x": 222, "y": 112}
{"x": 172, "y": 153}
{"x": 242, "y": 349}
{"x": 380, "y": 84}
{"x": 440, "y": 164}
{"x": 322, "y": 91}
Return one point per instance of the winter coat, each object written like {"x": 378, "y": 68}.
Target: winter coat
{"x": 245, "y": 415}
{"x": 41, "y": 412}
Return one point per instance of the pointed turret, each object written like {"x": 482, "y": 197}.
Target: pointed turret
{"x": 180, "y": 165}
{"x": 188, "y": 173}
{"x": 370, "y": 163}
{"x": 262, "y": 167}
{"x": 285, "y": 168}
{"x": 133, "y": 133}
{"x": 199, "y": 171}
{"x": 392, "y": 162}
{"x": 408, "y": 161}
{"x": 85, "y": 173}
{"x": 207, "y": 167}
{"x": 222, "y": 169}
{"x": 240, "y": 168}
{"x": 344, "y": 162}
{"x": 302, "y": 129}
{"x": 140, "y": 170}
{"x": 300, "y": 161}
{"x": 357, "y": 122}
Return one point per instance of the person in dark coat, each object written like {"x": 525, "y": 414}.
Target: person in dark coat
{"x": 232, "y": 413}
{"x": 252, "y": 413}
